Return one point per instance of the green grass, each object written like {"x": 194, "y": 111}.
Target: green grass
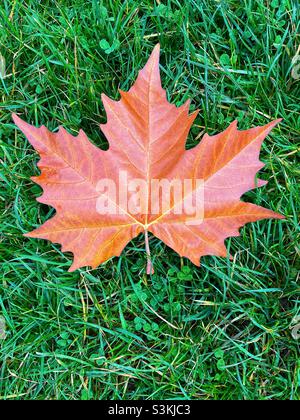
{"x": 221, "y": 331}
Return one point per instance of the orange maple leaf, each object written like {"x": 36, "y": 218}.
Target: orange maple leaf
{"x": 147, "y": 137}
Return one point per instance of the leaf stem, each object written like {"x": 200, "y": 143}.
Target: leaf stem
{"x": 150, "y": 269}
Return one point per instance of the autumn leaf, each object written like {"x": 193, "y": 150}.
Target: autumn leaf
{"x": 147, "y": 137}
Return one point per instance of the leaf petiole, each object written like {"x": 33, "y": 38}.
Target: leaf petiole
{"x": 150, "y": 269}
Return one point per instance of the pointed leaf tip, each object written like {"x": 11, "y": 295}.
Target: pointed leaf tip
{"x": 154, "y": 57}
{"x": 21, "y": 124}
{"x": 16, "y": 118}
{"x": 156, "y": 49}
{"x": 274, "y": 122}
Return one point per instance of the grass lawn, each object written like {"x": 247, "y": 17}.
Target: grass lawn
{"x": 221, "y": 331}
